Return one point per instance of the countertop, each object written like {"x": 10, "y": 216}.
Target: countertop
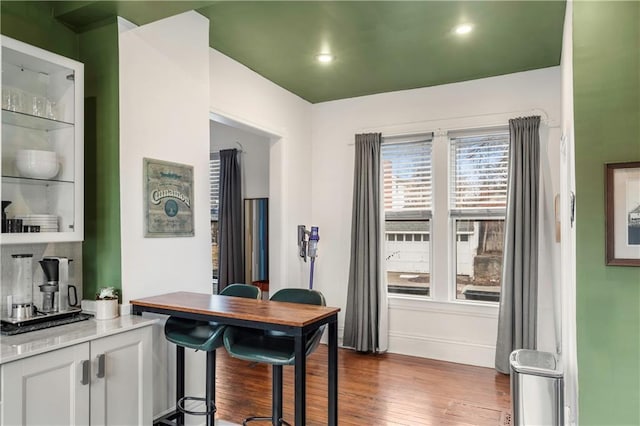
{"x": 20, "y": 346}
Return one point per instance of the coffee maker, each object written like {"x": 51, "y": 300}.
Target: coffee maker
{"x": 57, "y": 294}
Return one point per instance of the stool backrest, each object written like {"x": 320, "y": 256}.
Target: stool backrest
{"x": 306, "y": 296}
{"x": 242, "y": 290}
{"x": 299, "y": 295}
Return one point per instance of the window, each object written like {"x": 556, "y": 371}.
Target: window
{"x": 214, "y": 184}
{"x": 214, "y": 200}
{"x": 407, "y": 185}
{"x": 478, "y": 194}
{"x": 469, "y": 193}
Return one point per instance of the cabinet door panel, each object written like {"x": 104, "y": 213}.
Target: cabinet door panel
{"x": 123, "y": 395}
{"x": 46, "y": 390}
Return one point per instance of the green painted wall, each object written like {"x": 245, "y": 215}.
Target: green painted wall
{"x": 101, "y": 248}
{"x": 33, "y": 23}
{"x": 607, "y": 129}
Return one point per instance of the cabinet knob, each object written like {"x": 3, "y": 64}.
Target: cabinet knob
{"x": 101, "y": 366}
{"x": 85, "y": 372}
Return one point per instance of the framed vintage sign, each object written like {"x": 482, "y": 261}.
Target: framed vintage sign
{"x": 168, "y": 199}
{"x": 623, "y": 213}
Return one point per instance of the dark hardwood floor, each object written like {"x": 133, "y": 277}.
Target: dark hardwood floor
{"x": 384, "y": 389}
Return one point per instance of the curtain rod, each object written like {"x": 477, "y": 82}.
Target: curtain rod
{"x": 544, "y": 118}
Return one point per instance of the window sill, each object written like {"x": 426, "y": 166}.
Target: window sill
{"x": 423, "y": 304}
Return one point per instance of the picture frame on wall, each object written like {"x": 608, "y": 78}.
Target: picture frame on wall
{"x": 623, "y": 213}
{"x": 168, "y": 199}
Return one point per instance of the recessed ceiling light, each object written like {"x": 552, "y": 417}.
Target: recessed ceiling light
{"x": 463, "y": 29}
{"x": 325, "y": 58}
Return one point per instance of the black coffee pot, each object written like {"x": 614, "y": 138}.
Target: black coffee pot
{"x": 50, "y": 266}
{"x": 5, "y": 204}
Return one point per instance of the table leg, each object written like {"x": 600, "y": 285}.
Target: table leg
{"x": 300, "y": 380}
{"x": 333, "y": 373}
{"x": 179, "y": 381}
{"x": 210, "y": 391}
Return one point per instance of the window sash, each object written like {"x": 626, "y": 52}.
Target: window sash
{"x": 407, "y": 177}
{"x": 460, "y": 267}
{"x": 479, "y": 172}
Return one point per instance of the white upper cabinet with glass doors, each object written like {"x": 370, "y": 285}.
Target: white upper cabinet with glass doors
{"x": 42, "y": 145}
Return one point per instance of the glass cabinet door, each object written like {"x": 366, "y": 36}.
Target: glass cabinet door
{"x": 41, "y": 149}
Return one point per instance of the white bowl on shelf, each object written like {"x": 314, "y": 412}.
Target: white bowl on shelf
{"x": 37, "y": 164}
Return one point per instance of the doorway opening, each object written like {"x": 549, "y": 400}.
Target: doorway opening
{"x": 254, "y": 157}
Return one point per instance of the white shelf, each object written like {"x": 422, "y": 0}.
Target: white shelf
{"x": 28, "y": 121}
{"x": 33, "y": 181}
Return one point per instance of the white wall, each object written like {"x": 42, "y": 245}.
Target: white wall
{"x": 164, "y": 81}
{"x": 164, "y": 114}
{"x": 254, "y": 158}
{"x": 567, "y": 309}
{"x": 243, "y": 96}
{"x": 443, "y": 330}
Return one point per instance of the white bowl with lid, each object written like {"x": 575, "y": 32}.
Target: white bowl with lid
{"x": 37, "y": 164}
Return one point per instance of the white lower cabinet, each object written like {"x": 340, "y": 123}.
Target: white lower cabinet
{"x": 121, "y": 386}
{"x": 106, "y": 381}
{"x": 46, "y": 389}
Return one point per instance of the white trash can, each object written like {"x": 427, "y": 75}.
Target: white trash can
{"x": 537, "y": 389}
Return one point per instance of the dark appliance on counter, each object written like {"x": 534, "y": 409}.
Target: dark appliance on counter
{"x": 5, "y": 204}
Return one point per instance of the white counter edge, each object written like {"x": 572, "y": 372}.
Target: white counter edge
{"x": 13, "y": 348}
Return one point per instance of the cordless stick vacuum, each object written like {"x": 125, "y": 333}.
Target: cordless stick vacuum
{"x": 308, "y": 246}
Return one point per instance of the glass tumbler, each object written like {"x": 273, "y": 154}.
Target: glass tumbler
{"x": 13, "y": 99}
{"x": 39, "y": 106}
{"x": 6, "y": 97}
{"x": 22, "y": 282}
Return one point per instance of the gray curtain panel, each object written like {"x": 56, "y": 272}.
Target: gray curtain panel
{"x": 231, "y": 258}
{"x": 519, "y": 292}
{"x": 363, "y": 297}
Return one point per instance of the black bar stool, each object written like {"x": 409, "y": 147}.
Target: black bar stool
{"x": 200, "y": 336}
{"x": 273, "y": 347}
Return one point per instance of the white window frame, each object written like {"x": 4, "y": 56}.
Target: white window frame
{"x": 442, "y": 231}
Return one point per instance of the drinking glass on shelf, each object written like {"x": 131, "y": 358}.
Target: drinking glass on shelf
{"x": 6, "y": 97}
{"x": 39, "y": 106}
{"x": 13, "y": 99}
{"x": 52, "y": 110}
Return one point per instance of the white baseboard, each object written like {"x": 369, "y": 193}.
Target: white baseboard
{"x": 442, "y": 349}
{"x": 436, "y": 348}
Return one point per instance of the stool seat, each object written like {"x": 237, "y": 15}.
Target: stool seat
{"x": 199, "y": 335}
{"x": 256, "y": 346}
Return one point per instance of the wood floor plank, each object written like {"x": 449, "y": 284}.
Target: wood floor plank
{"x": 388, "y": 389}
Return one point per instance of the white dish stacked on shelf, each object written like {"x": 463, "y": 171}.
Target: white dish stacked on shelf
{"x": 46, "y": 222}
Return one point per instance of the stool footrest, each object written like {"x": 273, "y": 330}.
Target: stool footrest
{"x": 211, "y": 406}
{"x": 263, "y": 419}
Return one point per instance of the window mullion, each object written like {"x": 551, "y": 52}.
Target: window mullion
{"x": 439, "y": 229}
